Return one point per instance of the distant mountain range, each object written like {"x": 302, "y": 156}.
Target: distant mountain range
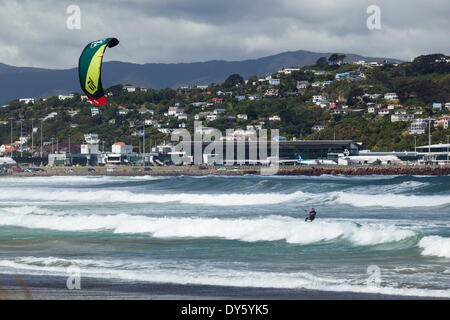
{"x": 25, "y": 82}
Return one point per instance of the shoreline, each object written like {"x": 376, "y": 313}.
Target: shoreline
{"x": 37, "y": 287}
{"x": 237, "y": 171}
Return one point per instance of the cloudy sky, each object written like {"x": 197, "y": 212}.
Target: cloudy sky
{"x": 35, "y": 33}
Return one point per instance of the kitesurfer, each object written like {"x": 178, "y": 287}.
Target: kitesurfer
{"x": 311, "y": 215}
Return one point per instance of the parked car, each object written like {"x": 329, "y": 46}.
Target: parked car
{"x": 91, "y": 170}
{"x": 17, "y": 169}
{"x": 147, "y": 169}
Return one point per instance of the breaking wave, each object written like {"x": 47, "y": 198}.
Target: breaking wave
{"x": 272, "y": 228}
{"x": 435, "y": 246}
{"x": 226, "y": 199}
{"x": 203, "y": 274}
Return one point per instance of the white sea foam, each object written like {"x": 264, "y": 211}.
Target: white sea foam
{"x": 224, "y": 199}
{"x": 389, "y": 200}
{"x": 390, "y": 188}
{"x": 435, "y": 246}
{"x": 203, "y": 274}
{"x": 272, "y": 228}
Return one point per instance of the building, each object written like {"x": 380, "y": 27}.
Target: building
{"x": 65, "y": 97}
{"x": 91, "y": 138}
{"x": 437, "y": 106}
{"x": 442, "y": 122}
{"x": 318, "y": 127}
{"x": 350, "y": 76}
{"x": 121, "y": 148}
{"x": 318, "y": 99}
{"x": 302, "y": 85}
{"x": 435, "y": 152}
{"x": 384, "y": 111}
{"x": 418, "y": 126}
{"x": 401, "y": 117}
{"x": 129, "y": 88}
{"x": 288, "y": 71}
{"x": 90, "y": 149}
{"x": 95, "y": 111}
{"x": 274, "y": 82}
{"x": 275, "y": 118}
{"x": 271, "y": 93}
{"x": 391, "y": 96}
{"x": 250, "y": 152}
{"x": 27, "y": 100}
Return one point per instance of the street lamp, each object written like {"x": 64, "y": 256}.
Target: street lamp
{"x": 448, "y": 142}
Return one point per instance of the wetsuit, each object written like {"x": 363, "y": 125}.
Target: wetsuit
{"x": 311, "y": 216}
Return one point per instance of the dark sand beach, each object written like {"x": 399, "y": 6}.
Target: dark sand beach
{"x": 36, "y": 287}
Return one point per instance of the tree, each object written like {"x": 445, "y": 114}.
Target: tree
{"x": 233, "y": 80}
{"x": 337, "y": 59}
{"x": 322, "y": 62}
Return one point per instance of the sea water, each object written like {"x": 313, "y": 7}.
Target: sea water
{"x": 376, "y": 234}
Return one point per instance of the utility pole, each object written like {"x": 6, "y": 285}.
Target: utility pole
{"x": 11, "y": 137}
{"x": 448, "y": 142}
{"x": 32, "y": 136}
{"x": 42, "y": 142}
{"x": 143, "y": 147}
{"x": 429, "y": 137}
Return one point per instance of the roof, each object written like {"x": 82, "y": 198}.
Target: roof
{"x": 119, "y": 143}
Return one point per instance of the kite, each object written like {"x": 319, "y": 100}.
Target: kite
{"x": 90, "y": 69}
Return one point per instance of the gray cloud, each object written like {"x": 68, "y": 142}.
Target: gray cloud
{"x": 34, "y": 33}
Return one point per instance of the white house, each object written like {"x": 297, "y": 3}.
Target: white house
{"x": 301, "y": 85}
{"x": 288, "y": 71}
{"x": 95, "y": 111}
{"x": 391, "y": 96}
{"x": 27, "y": 100}
{"x": 274, "y": 82}
{"x": 318, "y": 127}
{"x": 242, "y": 116}
{"x": 418, "y": 126}
{"x": 64, "y": 97}
{"x": 129, "y": 88}
{"x": 401, "y": 117}
{"x": 91, "y": 138}
{"x": 274, "y": 118}
{"x": 211, "y": 117}
{"x": 372, "y": 109}
{"x": 319, "y": 98}
{"x": 174, "y": 111}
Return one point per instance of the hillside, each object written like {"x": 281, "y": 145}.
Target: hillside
{"x": 375, "y": 104}
{"x": 21, "y": 82}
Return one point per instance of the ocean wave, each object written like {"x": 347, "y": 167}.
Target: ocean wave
{"x": 406, "y": 186}
{"x": 435, "y": 246}
{"x": 102, "y": 196}
{"x": 390, "y": 200}
{"x": 203, "y": 274}
{"x": 272, "y": 228}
